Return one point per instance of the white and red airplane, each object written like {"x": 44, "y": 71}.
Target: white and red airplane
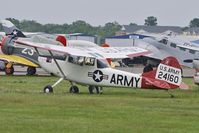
{"x": 89, "y": 66}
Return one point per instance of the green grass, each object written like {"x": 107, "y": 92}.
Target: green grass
{"x": 25, "y": 109}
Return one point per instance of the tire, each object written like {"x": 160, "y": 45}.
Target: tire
{"x": 48, "y": 89}
{"x": 31, "y": 70}
{"x": 9, "y": 71}
{"x": 74, "y": 89}
{"x": 90, "y": 89}
{"x": 94, "y": 89}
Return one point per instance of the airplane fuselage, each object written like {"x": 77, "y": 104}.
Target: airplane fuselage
{"x": 91, "y": 74}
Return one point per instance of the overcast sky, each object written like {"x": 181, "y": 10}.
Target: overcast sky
{"x": 99, "y": 12}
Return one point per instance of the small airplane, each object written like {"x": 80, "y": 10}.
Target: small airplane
{"x": 162, "y": 46}
{"x": 168, "y": 45}
{"x": 88, "y": 66}
{"x": 29, "y": 57}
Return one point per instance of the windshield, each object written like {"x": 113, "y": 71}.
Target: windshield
{"x": 102, "y": 64}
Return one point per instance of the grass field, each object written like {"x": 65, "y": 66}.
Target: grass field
{"x": 25, "y": 109}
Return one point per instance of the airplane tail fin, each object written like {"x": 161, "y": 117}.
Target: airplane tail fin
{"x": 168, "y": 75}
{"x": 10, "y": 29}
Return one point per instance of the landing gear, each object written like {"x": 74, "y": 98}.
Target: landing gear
{"x": 95, "y": 89}
{"x": 31, "y": 70}
{"x": 74, "y": 89}
{"x": 48, "y": 89}
{"x": 171, "y": 95}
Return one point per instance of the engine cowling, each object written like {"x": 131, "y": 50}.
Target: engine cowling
{"x": 7, "y": 45}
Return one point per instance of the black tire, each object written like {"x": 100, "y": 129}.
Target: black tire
{"x": 74, "y": 89}
{"x": 31, "y": 70}
{"x": 94, "y": 89}
{"x": 48, "y": 89}
{"x": 90, "y": 89}
{"x": 9, "y": 71}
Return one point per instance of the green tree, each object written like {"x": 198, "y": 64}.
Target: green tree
{"x": 16, "y": 22}
{"x": 55, "y": 28}
{"x": 194, "y": 22}
{"x": 31, "y": 26}
{"x": 108, "y": 29}
{"x": 151, "y": 21}
{"x": 132, "y": 24}
{"x": 81, "y": 27}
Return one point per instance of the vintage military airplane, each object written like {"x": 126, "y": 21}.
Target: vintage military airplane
{"x": 89, "y": 66}
{"x": 29, "y": 57}
{"x": 161, "y": 46}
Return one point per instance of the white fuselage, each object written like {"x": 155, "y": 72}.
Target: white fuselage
{"x": 91, "y": 74}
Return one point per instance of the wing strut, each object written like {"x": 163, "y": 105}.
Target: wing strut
{"x": 57, "y": 64}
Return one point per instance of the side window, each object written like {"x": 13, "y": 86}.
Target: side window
{"x": 173, "y": 45}
{"x": 192, "y": 51}
{"x": 102, "y": 64}
{"x": 164, "y": 41}
{"x": 76, "y": 60}
{"x": 89, "y": 61}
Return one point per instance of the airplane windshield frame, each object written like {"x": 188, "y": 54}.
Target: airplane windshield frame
{"x": 102, "y": 64}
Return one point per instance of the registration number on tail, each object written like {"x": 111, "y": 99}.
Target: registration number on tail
{"x": 169, "y": 74}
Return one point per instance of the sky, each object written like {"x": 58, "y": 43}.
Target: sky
{"x": 99, "y": 12}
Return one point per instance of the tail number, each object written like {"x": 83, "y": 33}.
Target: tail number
{"x": 168, "y": 77}
{"x": 169, "y": 74}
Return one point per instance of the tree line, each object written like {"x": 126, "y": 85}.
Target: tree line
{"x": 81, "y": 26}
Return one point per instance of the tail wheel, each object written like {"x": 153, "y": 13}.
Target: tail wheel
{"x": 74, "y": 89}
{"x": 9, "y": 71}
{"x": 94, "y": 89}
{"x": 31, "y": 70}
{"x": 48, "y": 89}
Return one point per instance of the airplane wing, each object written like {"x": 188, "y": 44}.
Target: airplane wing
{"x": 17, "y": 59}
{"x": 95, "y": 52}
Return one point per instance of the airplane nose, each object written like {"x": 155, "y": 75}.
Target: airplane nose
{"x": 7, "y": 45}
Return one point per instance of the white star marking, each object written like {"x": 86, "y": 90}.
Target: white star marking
{"x": 15, "y": 32}
{"x": 97, "y": 76}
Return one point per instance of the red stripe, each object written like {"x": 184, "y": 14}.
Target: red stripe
{"x": 139, "y": 54}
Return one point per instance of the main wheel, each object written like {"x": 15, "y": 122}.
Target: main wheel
{"x": 48, "y": 89}
{"x": 74, "y": 89}
{"x": 94, "y": 89}
{"x": 31, "y": 70}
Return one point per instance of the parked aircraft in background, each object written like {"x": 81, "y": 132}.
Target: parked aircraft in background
{"x": 167, "y": 45}
{"x": 161, "y": 46}
{"x": 88, "y": 66}
{"x": 27, "y": 56}
{"x": 195, "y": 61}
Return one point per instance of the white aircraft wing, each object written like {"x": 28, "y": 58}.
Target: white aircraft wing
{"x": 96, "y": 52}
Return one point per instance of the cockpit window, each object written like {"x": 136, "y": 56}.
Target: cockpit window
{"x": 164, "y": 41}
{"x": 173, "y": 45}
{"x": 89, "y": 61}
{"x": 102, "y": 64}
{"x": 76, "y": 60}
